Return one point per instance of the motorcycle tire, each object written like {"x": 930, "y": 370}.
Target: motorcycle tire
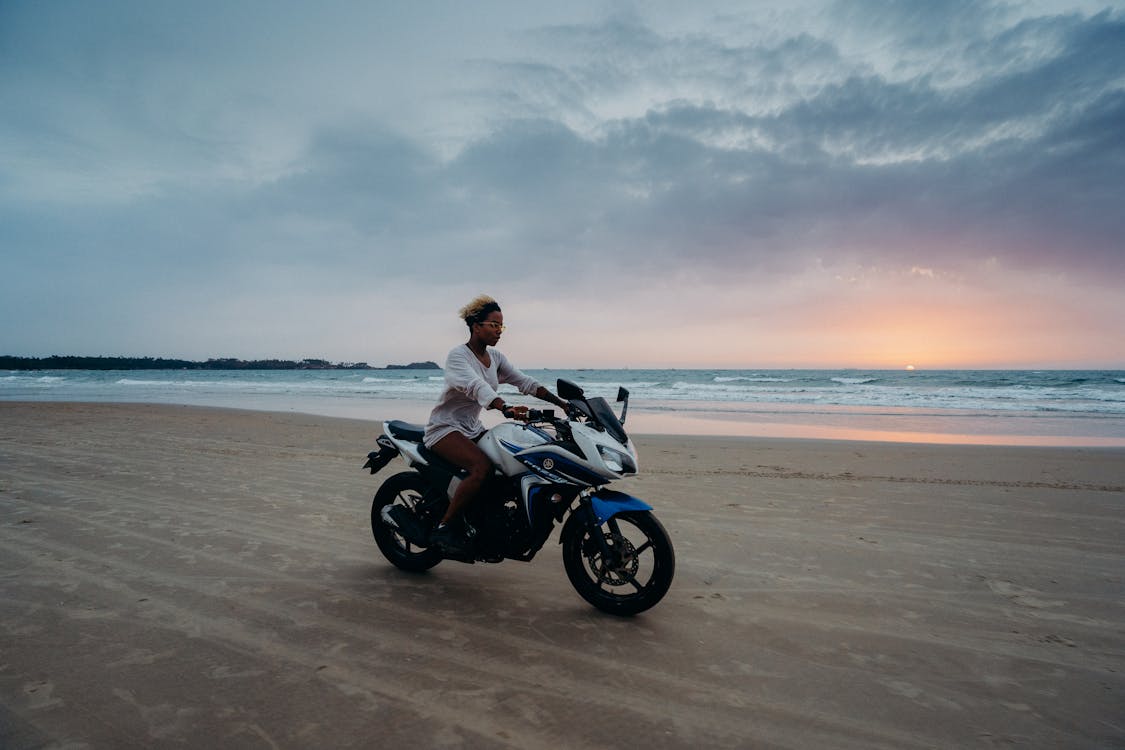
{"x": 639, "y": 572}
{"x": 406, "y": 489}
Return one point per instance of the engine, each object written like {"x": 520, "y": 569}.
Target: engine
{"x": 501, "y": 526}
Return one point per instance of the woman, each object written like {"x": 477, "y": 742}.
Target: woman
{"x": 473, "y": 372}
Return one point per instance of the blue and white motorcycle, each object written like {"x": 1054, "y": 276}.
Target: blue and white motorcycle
{"x": 548, "y": 470}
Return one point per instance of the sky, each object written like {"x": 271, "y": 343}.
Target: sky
{"x": 869, "y": 184}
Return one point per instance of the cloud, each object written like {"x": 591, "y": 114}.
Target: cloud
{"x": 865, "y": 157}
{"x": 269, "y": 153}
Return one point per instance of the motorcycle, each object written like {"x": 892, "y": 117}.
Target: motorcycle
{"x": 548, "y": 470}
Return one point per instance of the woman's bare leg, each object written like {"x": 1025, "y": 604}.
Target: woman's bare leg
{"x": 459, "y": 450}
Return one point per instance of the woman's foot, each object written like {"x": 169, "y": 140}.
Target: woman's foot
{"x": 448, "y": 538}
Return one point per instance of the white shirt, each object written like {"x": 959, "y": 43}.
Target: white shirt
{"x": 470, "y": 387}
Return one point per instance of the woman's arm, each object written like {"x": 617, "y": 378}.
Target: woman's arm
{"x": 508, "y": 373}
{"x": 546, "y": 395}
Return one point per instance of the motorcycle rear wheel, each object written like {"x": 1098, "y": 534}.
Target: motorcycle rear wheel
{"x": 636, "y": 574}
{"x": 406, "y": 489}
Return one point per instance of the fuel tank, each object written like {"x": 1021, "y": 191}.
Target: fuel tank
{"x": 507, "y": 438}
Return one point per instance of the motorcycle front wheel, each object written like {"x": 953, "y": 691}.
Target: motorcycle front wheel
{"x": 405, "y": 489}
{"x": 636, "y": 571}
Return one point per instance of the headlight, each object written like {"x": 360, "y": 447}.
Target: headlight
{"x": 617, "y": 461}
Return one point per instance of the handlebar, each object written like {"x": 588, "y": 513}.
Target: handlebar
{"x": 545, "y": 415}
{"x": 528, "y": 415}
{"x": 533, "y": 415}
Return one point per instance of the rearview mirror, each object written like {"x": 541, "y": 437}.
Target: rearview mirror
{"x": 568, "y": 390}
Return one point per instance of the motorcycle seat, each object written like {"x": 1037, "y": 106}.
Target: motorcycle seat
{"x": 406, "y": 430}
{"x": 413, "y": 432}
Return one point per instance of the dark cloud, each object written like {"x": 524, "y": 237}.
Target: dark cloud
{"x": 372, "y": 178}
{"x": 1016, "y": 162}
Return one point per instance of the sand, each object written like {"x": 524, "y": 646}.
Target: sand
{"x": 188, "y": 577}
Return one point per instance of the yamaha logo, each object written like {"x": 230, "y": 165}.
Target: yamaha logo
{"x": 548, "y": 463}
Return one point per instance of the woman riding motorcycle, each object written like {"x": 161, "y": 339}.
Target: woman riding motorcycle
{"x": 473, "y": 372}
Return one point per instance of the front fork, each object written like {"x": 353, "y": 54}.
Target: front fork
{"x": 590, "y": 518}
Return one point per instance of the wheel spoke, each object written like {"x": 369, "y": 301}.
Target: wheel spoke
{"x": 642, "y": 548}
{"x": 602, "y": 571}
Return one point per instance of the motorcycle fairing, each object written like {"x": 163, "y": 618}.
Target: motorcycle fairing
{"x": 551, "y": 462}
{"x": 608, "y": 503}
{"x": 400, "y": 436}
{"x": 536, "y": 498}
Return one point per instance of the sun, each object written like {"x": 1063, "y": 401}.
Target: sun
{"x": 910, "y": 367}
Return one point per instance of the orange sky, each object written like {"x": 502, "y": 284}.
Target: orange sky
{"x": 886, "y": 320}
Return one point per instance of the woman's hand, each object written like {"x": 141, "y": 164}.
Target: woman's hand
{"x": 516, "y": 412}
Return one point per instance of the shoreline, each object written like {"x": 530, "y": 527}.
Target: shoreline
{"x": 860, "y": 424}
{"x": 177, "y": 574}
{"x": 1045, "y": 408}
{"x": 799, "y": 422}
{"x": 768, "y": 422}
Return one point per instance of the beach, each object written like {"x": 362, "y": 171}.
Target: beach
{"x": 175, "y": 576}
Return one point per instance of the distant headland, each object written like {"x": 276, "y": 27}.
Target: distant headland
{"x": 150, "y": 363}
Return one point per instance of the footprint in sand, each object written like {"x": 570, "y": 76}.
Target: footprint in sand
{"x": 1026, "y": 597}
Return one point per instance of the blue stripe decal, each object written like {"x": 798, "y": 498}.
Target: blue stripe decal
{"x": 545, "y": 435}
{"x": 562, "y": 465}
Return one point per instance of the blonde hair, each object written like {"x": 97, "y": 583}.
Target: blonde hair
{"x": 479, "y": 307}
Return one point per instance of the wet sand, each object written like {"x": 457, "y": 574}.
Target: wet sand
{"x": 186, "y": 577}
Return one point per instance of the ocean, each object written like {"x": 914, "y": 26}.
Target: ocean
{"x": 1066, "y": 408}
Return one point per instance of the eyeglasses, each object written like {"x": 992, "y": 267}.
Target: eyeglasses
{"x": 494, "y": 324}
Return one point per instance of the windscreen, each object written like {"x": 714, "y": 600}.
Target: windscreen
{"x": 604, "y": 416}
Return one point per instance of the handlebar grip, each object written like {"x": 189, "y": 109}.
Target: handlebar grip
{"x": 533, "y": 415}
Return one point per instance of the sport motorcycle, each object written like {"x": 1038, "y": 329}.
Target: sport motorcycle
{"x": 548, "y": 470}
